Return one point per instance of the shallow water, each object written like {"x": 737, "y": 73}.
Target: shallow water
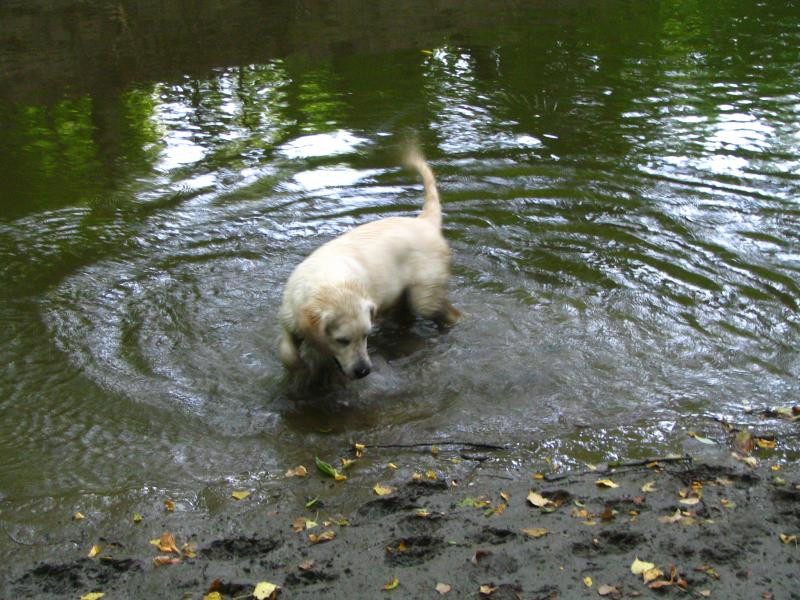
{"x": 621, "y": 196}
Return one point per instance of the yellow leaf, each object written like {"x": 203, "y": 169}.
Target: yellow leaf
{"x": 639, "y": 566}
{"x": 265, "y": 590}
{"x": 652, "y": 574}
{"x": 213, "y": 596}
{"x": 487, "y": 590}
{"x": 137, "y": 517}
{"x": 416, "y": 477}
{"x": 78, "y": 517}
{"x": 689, "y": 501}
{"x": 188, "y": 551}
{"x": 301, "y": 523}
{"x": 443, "y": 588}
{"x": 382, "y": 490}
{"x": 537, "y": 499}
{"x": 166, "y": 543}
{"x": 650, "y": 486}
{"x": 240, "y": 495}
{"x": 422, "y": 512}
{"x": 538, "y": 476}
{"x": 325, "y": 536}
{"x": 435, "y": 450}
{"x": 750, "y": 461}
{"x": 299, "y": 471}
{"x": 92, "y": 596}
{"x": 391, "y": 466}
{"x": 766, "y": 443}
{"x": 788, "y": 539}
{"x": 606, "y": 483}
{"x": 775, "y": 467}
{"x": 169, "y": 505}
{"x": 347, "y": 462}
{"x": 359, "y": 448}
{"x": 587, "y": 581}
{"x": 535, "y": 532}
{"x": 94, "y": 551}
{"x": 430, "y": 474}
{"x": 391, "y": 585}
{"x": 504, "y": 496}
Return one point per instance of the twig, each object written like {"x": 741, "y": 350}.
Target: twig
{"x": 475, "y": 445}
{"x": 620, "y": 465}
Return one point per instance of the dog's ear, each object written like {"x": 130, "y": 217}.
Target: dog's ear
{"x": 372, "y": 309}
{"x": 314, "y": 321}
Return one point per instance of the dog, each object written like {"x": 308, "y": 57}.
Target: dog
{"x": 332, "y": 298}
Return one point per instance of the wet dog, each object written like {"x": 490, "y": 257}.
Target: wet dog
{"x": 333, "y": 297}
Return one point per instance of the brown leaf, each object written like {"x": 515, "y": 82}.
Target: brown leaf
{"x": 299, "y": 471}
{"x": 167, "y": 543}
{"x": 325, "y": 536}
{"x": 160, "y": 561}
{"x": 479, "y": 554}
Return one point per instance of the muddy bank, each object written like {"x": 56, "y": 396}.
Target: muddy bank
{"x": 716, "y": 520}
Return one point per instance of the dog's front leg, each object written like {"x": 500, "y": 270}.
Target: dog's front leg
{"x": 289, "y": 350}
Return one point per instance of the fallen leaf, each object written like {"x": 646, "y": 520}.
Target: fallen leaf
{"x": 301, "y": 524}
{"x": 391, "y": 466}
{"x": 382, "y": 490}
{"x": 93, "y": 596}
{"x": 416, "y": 477}
{"x": 328, "y": 469}
{"x": 535, "y": 532}
{"x": 639, "y": 566}
{"x": 750, "y": 461}
{"x": 587, "y": 581}
{"x": 788, "y": 539}
{"x": 538, "y": 476}
{"x": 160, "y": 561}
{"x": 265, "y": 590}
{"x": 606, "y": 590}
{"x": 213, "y": 596}
{"x": 479, "y": 554}
{"x": 359, "y": 449}
{"x": 325, "y": 536}
{"x": 299, "y": 471}
{"x": 347, "y": 462}
{"x": 650, "y": 486}
{"x": 744, "y": 441}
{"x": 767, "y": 443}
{"x": 608, "y": 514}
{"x": 487, "y": 590}
{"x": 422, "y": 512}
{"x": 727, "y": 503}
{"x": 442, "y": 588}
{"x": 306, "y": 565}
{"x": 606, "y": 483}
{"x": 435, "y": 450}
{"x": 475, "y": 502}
{"x": 312, "y": 502}
{"x": 708, "y": 570}
{"x": 431, "y": 475}
{"x": 166, "y": 543}
{"x": 689, "y": 501}
{"x": 705, "y": 593}
{"x": 188, "y": 551}
{"x": 78, "y": 517}
{"x": 538, "y": 500}
{"x": 240, "y": 495}
{"x": 701, "y": 439}
{"x": 392, "y": 584}
{"x": 652, "y": 574}
{"x": 94, "y": 551}
{"x": 137, "y": 517}
{"x": 169, "y": 505}
{"x": 504, "y": 496}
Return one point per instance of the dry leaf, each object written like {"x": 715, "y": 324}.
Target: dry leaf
{"x": 538, "y": 500}
{"x": 306, "y": 565}
{"x": 301, "y": 524}
{"x": 92, "y": 596}
{"x": 392, "y": 584}
{"x": 487, "y": 590}
{"x": 435, "y": 450}
{"x": 166, "y": 543}
{"x": 788, "y": 539}
{"x": 750, "y": 461}
{"x": 240, "y": 495}
{"x": 137, "y": 517}
{"x": 535, "y": 532}
{"x": 94, "y": 551}
{"x": 188, "y": 551}
{"x": 382, "y": 490}
{"x": 700, "y": 439}
{"x": 325, "y": 536}
{"x": 391, "y": 466}
{"x": 652, "y": 574}
{"x": 299, "y": 471}
{"x": 78, "y": 517}
{"x": 160, "y": 561}
{"x": 443, "y": 588}
{"x": 650, "y": 486}
{"x": 359, "y": 449}
{"x": 431, "y": 475}
{"x": 504, "y": 496}
{"x": 347, "y": 462}
{"x": 639, "y": 566}
{"x": 213, "y": 596}
{"x": 265, "y": 590}
{"x": 606, "y": 483}
{"x": 689, "y": 501}
{"x": 169, "y": 506}
{"x": 479, "y": 554}
{"x": 767, "y": 443}
{"x": 587, "y": 581}
{"x": 606, "y": 590}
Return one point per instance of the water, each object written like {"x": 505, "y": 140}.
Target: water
{"x": 621, "y": 195}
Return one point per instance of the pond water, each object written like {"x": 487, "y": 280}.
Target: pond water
{"x": 621, "y": 186}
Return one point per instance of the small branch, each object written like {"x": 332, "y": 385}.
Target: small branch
{"x": 620, "y": 465}
{"x": 473, "y": 445}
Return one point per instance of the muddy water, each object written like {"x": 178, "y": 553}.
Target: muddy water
{"x": 621, "y": 195}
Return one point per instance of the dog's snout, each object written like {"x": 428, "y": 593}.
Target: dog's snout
{"x": 361, "y": 370}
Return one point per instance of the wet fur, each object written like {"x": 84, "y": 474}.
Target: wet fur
{"x": 336, "y": 293}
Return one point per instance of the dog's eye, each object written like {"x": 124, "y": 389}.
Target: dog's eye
{"x": 343, "y": 341}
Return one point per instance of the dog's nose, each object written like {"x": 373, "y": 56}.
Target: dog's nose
{"x": 361, "y": 371}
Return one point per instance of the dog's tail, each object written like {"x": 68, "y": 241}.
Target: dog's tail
{"x": 432, "y": 208}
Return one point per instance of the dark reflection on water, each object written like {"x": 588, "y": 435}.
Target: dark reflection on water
{"x": 620, "y": 185}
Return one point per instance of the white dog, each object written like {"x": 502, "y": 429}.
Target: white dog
{"x": 333, "y": 296}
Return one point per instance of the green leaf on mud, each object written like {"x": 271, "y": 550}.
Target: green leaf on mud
{"x": 328, "y": 470}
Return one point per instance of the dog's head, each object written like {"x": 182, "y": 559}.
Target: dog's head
{"x": 338, "y": 323}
